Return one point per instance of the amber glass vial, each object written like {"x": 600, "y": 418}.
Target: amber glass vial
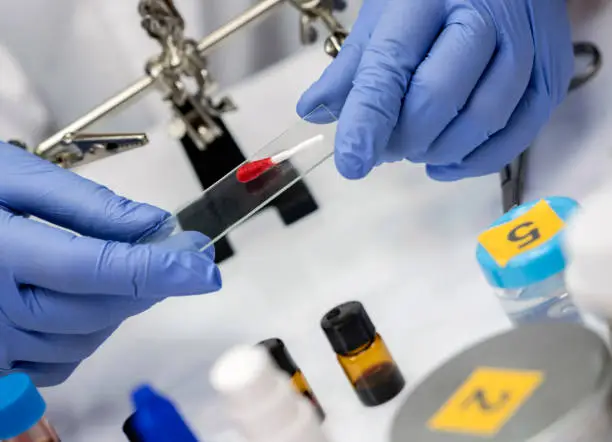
{"x": 285, "y": 362}
{"x": 41, "y": 432}
{"x": 362, "y": 353}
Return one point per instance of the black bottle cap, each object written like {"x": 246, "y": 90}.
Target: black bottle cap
{"x": 348, "y": 327}
{"x": 281, "y": 355}
{"x": 129, "y": 430}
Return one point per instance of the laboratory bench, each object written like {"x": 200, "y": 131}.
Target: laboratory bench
{"x": 397, "y": 241}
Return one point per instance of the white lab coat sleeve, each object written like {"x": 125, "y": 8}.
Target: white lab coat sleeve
{"x": 23, "y": 116}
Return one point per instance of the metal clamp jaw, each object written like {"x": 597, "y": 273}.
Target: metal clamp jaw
{"x": 181, "y": 71}
{"x": 315, "y": 10}
{"x": 80, "y": 149}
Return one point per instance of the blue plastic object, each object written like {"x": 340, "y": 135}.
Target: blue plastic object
{"x": 21, "y": 405}
{"x": 462, "y": 86}
{"x": 156, "y": 419}
{"x": 534, "y": 265}
{"x": 63, "y": 293}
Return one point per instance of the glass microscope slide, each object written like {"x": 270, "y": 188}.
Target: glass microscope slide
{"x": 252, "y": 185}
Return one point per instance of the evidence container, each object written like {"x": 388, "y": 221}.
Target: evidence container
{"x": 22, "y": 411}
{"x": 535, "y": 383}
{"x": 156, "y": 419}
{"x": 521, "y": 256}
{"x": 260, "y": 401}
{"x": 362, "y": 354}
{"x": 281, "y": 356}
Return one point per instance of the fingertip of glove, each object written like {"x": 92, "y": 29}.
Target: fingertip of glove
{"x": 310, "y": 111}
{"x": 138, "y": 221}
{"x": 175, "y": 267}
{"x": 203, "y": 244}
{"x": 186, "y": 274}
{"x": 321, "y": 115}
{"x": 161, "y": 230}
{"x": 351, "y": 166}
{"x": 304, "y": 105}
{"x": 207, "y": 278}
{"x": 445, "y": 173}
{"x": 203, "y": 273}
{"x": 191, "y": 241}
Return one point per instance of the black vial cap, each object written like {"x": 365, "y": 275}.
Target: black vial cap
{"x": 129, "y": 430}
{"x": 281, "y": 355}
{"x": 348, "y": 327}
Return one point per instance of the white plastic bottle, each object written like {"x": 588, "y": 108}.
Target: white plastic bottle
{"x": 588, "y": 246}
{"x": 260, "y": 400}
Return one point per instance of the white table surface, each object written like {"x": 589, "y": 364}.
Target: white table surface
{"x": 399, "y": 242}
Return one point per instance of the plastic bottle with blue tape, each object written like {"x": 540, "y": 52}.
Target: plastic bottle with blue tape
{"x": 521, "y": 256}
{"x": 156, "y": 419}
{"x": 22, "y": 411}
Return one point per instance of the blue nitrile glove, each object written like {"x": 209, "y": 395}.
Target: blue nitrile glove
{"x": 463, "y": 86}
{"x": 62, "y": 295}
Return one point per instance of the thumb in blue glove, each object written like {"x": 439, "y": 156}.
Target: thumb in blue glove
{"x": 61, "y": 294}
{"x": 463, "y": 86}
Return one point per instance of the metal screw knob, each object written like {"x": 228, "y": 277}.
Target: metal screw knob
{"x": 334, "y": 43}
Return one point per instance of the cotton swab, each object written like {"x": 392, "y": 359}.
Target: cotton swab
{"x": 254, "y": 169}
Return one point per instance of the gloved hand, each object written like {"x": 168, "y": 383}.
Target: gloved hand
{"x": 62, "y": 295}
{"x": 463, "y": 86}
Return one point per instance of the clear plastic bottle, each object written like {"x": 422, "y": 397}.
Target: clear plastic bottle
{"x": 260, "y": 400}
{"x": 22, "y": 411}
{"x": 522, "y": 258}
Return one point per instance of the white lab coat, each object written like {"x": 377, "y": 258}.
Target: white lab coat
{"x": 402, "y": 231}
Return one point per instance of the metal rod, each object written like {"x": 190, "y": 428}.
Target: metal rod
{"x": 142, "y": 84}
{"x": 242, "y": 20}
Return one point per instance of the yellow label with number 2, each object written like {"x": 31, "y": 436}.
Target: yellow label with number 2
{"x": 486, "y": 401}
{"x": 530, "y": 230}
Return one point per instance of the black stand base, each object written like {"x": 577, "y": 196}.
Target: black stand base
{"x": 293, "y": 205}
{"x": 211, "y": 217}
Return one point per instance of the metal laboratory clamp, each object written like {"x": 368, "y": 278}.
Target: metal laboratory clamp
{"x": 181, "y": 71}
{"x": 536, "y": 383}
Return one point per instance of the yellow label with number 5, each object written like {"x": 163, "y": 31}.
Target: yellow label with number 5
{"x": 530, "y": 230}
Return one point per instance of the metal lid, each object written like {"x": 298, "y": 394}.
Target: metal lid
{"x": 512, "y": 387}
